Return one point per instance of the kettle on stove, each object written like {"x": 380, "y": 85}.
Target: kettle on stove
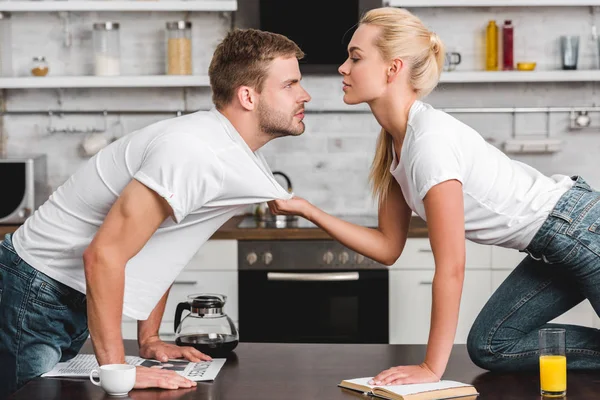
{"x": 206, "y": 328}
{"x": 264, "y": 217}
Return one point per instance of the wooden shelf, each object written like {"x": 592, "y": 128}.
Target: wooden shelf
{"x": 519, "y": 76}
{"x": 490, "y": 3}
{"x": 109, "y": 5}
{"x": 55, "y": 82}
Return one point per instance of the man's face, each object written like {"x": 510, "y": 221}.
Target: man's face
{"x": 281, "y": 104}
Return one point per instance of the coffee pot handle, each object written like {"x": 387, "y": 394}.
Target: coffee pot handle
{"x": 179, "y": 311}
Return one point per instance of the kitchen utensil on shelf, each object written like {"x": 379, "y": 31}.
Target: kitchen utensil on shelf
{"x": 451, "y": 60}
{"x": 39, "y": 66}
{"x": 107, "y": 49}
{"x": 526, "y": 66}
{"x": 569, "y": 50}
{"x": 206, "y": 328}
{"x": 179, "y": 48}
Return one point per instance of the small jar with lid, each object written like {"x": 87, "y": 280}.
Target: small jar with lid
{"x": 179, "y": 48}
{"x": 39, "y": 66}
{"x": 107, "y": 49}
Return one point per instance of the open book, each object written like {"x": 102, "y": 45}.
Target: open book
{"x": 82, "y": 364}
{"x": 419, "y": 391}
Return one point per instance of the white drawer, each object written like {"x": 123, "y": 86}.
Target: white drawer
{"x": 417, "y": 254}
{"x": 215, "y": 255}
{"x": 503, "y": 258}
{"x": 194, "y": 282}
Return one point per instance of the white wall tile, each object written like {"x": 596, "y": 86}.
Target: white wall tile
{"x": 329, "y": 163}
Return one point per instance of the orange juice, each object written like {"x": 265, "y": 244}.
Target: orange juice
{"x": 553, "y": 373}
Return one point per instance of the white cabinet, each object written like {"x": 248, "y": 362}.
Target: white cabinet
{"x": 410, "y": 291}
{"x": 213, "y": 269}
{"x": 583, "y": 314}
{"x": 410, "y": 304}
{"x": 417, "y": 254}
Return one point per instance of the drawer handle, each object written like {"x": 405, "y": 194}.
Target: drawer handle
{"x": 426, "y": 283}
{"x": 425, "y": 251}
{"x": 185, "y": 282}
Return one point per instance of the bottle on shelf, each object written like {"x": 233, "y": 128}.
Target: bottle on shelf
{"x": 508, "y": 46}
{"x": 491, "y": 46}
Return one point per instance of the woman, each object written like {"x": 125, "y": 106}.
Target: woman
{"x": 428, "y": 162}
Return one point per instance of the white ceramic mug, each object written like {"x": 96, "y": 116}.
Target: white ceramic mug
{"x": 115, "y": 379}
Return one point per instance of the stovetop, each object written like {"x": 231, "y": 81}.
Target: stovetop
{"x": 251, "y": 222}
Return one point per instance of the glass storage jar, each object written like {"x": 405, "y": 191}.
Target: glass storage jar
{"x": 107, "y": 49}
{"x": 39, "y": 66}
{"x": 179, "y": 48}
{"x": 5, "y": 45}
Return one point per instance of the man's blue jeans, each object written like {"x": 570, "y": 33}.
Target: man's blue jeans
{"x": 42, "y": 321}
{"x": 561, "y": 270}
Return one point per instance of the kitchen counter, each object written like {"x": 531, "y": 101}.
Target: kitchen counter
{"x": 418, "y": 229}
{"x": 312, "y": 371}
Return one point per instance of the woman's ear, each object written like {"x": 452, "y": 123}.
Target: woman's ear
{"x": 247, "y": 97}
{"x": 394, "y": 69}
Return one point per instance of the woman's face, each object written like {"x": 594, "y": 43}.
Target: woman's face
{"x": 364, "y": 72}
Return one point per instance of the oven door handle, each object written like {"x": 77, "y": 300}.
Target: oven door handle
{"x": 318, "y": 277}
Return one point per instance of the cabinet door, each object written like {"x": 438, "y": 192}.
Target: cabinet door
{"x": 506, "y": 259}
{"x": 417, "y": 254}
{"x": 187, "y": 283}
{"x": 215, "y": 255}
{"x": 194, "y": 282}
{"x": 583, "y": 314}
{"x": 410, "y": 304}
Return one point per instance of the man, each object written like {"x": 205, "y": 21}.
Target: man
{"x": 112, "y": 239}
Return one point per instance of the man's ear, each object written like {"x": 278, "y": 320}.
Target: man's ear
{"x": 394, "y": 69}
{"x": 247, "y": 97}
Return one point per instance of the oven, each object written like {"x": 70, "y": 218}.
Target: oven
{"x": 310, "y": 291}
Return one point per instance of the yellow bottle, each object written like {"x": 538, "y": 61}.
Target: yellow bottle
{"x": 553, "y": 374}
{"x": 491, "y": 46}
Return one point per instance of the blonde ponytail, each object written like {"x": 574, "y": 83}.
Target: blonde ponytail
{"x": 403, "y": 36}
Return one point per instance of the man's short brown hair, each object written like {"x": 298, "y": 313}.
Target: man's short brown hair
{"x": 242, "y": 59}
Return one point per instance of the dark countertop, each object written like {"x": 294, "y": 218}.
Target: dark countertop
{"x": 312, "y": 371}
{"x": 418, "y": 229}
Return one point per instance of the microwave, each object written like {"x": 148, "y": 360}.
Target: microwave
{"x": 28, "y": 189}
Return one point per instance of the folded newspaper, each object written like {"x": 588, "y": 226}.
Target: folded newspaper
{"x": 82, "y": 364}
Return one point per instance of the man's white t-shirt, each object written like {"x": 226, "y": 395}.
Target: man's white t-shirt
{"x": 199, "y": 163}
{"x": 505, "y": 201}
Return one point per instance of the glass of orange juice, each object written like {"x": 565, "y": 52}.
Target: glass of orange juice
{"x": 553, "y": 362}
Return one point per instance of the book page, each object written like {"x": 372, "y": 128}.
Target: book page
{"x": 404, "y": 390}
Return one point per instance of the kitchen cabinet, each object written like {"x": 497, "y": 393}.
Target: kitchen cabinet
{"x": 410, "y": 291}
{"x": 583, "y": 314}
{"x": 486, "y": 268}
{"x": 410, "y": 304}
{"x": 213, "y": 269}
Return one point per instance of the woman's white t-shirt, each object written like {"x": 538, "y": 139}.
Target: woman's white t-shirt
{"x": 505, "y": 201}
{"x": 199, "y": 163}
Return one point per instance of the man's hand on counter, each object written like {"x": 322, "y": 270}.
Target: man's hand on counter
{"x": 159, "y": 378}
{"x": 154, "y": 348}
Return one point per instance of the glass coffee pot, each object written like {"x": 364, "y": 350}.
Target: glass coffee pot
{"x": 206, "y": 328}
